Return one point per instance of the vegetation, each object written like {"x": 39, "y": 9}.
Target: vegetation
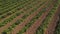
{"x": 13, "y": 9}
{"x": 45, "y": 23}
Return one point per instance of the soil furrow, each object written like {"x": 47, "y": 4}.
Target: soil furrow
{"x": 34, "y": 27}
{"x": 20, "y": 26}
{"x": 52, "y": 24}
{"x": 13, "y": 21}
{"x": 22, "y": 9}
{"x": 10, "y": 23}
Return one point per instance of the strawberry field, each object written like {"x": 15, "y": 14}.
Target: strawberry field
{"x": 29, "y": 16}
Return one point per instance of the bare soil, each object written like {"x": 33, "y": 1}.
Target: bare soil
{"x": 52, "y": 24}
{"x": 20, "y": 10}
{"x": 20, "y": 26}
{"x": 10, "y": 23}
{"x": 34, "y": 27}
{"x": 15, "y": 19}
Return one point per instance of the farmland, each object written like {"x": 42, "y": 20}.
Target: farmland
{"x": 29, "y": 16}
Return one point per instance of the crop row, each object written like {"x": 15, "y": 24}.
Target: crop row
{"x": 45, "y": 23}
{"x": 6, "y": 7}
{"x": 57, "y": 31}
{"x": 5, "y": 20}
{"x": 12, "y": 7}
{"x": 16, "y": 23}
{"x": 30, "y": 23}
{"x": 21, "y": 20}
{"x": 11, "y": 2}
{"x": 10, "y": 19}
{"x": 6, "y": 3}
{"x": 14, "y": 3}
{"x": 23, "y": 7}
{"x": 13, "y": 11}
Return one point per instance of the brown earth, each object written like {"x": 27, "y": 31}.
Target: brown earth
{"x": 13, "y": 21}
{"x": 52, "y": 24}
{"x": 20, "y": 26}
{"x": 10, "y": 23}
{"x": 59, "y": 9}
{"x": 34, "y": 27}
{"x": 14, "y": 13}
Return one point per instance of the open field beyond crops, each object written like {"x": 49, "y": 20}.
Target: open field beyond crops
{"x": 29, "y": 16}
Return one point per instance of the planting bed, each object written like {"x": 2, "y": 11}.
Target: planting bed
{"x": 29, "y": 16}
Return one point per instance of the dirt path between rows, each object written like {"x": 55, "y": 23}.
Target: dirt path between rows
{"x": 20, "y": 26}
{"x": 52, "y": 24}
{"x": 19, "y": 9}
{"x": 59, "y": 9}
{"x": 15, "y": 19}
{"x": 34, "y": 27}
{"x": 10, "y": 23}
